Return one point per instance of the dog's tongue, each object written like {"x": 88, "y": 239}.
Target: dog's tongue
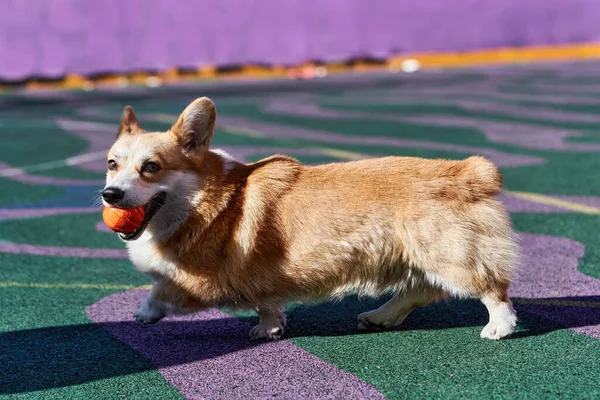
{"x": 123, "y": 221}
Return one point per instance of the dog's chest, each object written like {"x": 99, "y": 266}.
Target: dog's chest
{"x": 144, "y": 254}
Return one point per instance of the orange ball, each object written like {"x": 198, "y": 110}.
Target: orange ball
{"x": 123, "y": 221}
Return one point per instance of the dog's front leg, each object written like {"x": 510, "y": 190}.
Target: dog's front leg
{"x": 272, "y": 323}
{"x": 163, "y": 300}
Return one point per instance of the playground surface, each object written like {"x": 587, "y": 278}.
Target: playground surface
{"x": 68, "y": 291}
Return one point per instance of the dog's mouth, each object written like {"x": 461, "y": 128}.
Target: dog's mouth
{"x": 151, "y": 208}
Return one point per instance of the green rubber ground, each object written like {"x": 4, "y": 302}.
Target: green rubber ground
{"x": 545, "y": 146}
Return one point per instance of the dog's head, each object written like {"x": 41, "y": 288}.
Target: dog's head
{"x": 158, "y": 170}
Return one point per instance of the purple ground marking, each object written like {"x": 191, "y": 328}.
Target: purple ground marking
{"x": 550, "y": 272}
{"x": 101, "y": 227}
{"x": 548, "y": 114}
{"x": 209, "y": 355}
{"x": 100, "y": 136}
{"x": 568, "y": 88}
{"x": 48, "y": 180}
{"x": 19, "y": 213}
{"x": 522, "y": 135}
{"x": 57, "y": 251}
{"x": 243, "y": 153}
{"x": 517, "y": 134}
{"x": 593, "y": 201}
{"x": 54, "y": 251}
{"x": 425, "y": 95}
{"x": 486, "y": 87}
{"x": 286, "y": 131}
{"x": 518, "y": 205}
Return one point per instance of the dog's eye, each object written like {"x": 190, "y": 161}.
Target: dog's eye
{"x": 112, "y": 165}
{"x": 150, "y": 167}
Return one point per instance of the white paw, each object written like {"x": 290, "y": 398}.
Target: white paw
{"x": 150, "y": 312}
{"x": 503, "y": 321}
{"x": 267, "y": 331}
{"x": 497, "y": 330}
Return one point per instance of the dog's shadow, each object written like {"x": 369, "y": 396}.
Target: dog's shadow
{"x": 61, "y": 356}
{"x": 535, "y": 316}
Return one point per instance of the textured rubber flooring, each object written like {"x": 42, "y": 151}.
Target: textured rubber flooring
{"x": 67, "y": 290}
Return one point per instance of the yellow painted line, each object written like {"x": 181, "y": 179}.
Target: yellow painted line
{"x": 341, "y": 154}
{"x": 99, "y": 286}
{"x": 508, "y": 55}
{"x": 561, "y": 303}
{"x": 328, "y": 151}
{"x": 551, "y": 201}
{"x": 496, "y": 56}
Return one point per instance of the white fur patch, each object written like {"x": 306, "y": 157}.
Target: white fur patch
{"x": 183, "y": 190}
{"x": 449, "y": 288}
{"x": 228, "y": 160}
{"x": 144, "y": 255}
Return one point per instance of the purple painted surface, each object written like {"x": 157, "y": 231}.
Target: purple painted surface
{"x": 53, "y": 37}
{"x": 518, "y": 205}
{"x": 101, "y": 227}
{"x": 60, "y": 251}
{"x": 18, "y": 213}
{"x": 209, "y": 355}
{"x": 528, "y": 136}
{"x": 550, "y": 272}
{"x": 513, "y": 133}
{"x": 593, "y": 201}
{"x": 24, "y": 177}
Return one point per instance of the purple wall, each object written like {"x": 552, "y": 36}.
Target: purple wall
{"x": 53, "y": 37}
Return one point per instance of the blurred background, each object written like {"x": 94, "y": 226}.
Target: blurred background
{"x": 79, "y": 39}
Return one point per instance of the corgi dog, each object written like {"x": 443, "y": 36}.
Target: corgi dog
{"x": 218, "y": 232}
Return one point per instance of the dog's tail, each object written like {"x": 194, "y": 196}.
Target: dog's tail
{"x": 481, "y": 176}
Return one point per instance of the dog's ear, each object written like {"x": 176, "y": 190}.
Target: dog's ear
{"x": 194, "y": 127}
{"x": 129, "y": 123}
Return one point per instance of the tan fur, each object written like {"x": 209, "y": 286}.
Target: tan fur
{"x": 274, "y": 231}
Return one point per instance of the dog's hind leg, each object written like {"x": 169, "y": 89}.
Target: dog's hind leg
{"x": 491, "y": 289}
{"x": 398, "y": 307}
{"x": 503, "y": 317}
{"x": 272, "y": 322}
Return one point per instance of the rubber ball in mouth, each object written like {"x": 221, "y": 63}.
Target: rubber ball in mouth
{"x": 123, "y": 220}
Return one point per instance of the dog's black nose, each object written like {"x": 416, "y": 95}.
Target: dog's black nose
{"x": 112, "y": 195}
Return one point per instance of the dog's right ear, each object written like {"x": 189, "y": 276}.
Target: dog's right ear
{"x": 129, "y": 123}
{"x": 195, "y": 126}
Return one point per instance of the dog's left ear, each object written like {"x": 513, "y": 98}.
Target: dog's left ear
{"x": 129, "y": 123}
{"x": 194, "y": 127}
